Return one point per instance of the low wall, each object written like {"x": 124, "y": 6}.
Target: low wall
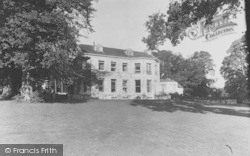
{"x": 229, "y": 101}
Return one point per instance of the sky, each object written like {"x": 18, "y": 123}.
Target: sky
{"x": 120, "y": 24}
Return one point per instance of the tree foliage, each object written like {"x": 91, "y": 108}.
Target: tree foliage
{"x": 40, "y": 37}
{"x": 180, "y": 16}
{"x": 234, "y": 70}
{"x": 191, "y": 73}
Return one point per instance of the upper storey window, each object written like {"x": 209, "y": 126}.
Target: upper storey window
{"x": 137, "y": 68}
{"x": 129, "y": 52}
{"x": 124, "y": 67}
{"x": 101, "y": 65}
{"x": 156, "y": 70}
{"x": 113, "y": 66}
{"x": 149, "y": 71}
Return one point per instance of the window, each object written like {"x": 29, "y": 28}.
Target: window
{"x": 124, "y": 85}
{"x": 156, "y": 70}
{"x": 137, "y": 67}
{"x": 60, "y": 87}
{"x": 163, "y": 87}
{"x": 137, "y": 86}
{"x": 149, "y": 68}
{"x": 100, "y": 85}
{"x": 124, "y": 67}
{"x": 129, "y": 52}
{"x": 101, "y": 65}
{"x": 149, "y": 84}
{"x": 113, "y": 66}
{"x": 84, "y": 64}
{"x": 84, "y": 86}
{"x": 113, "y": 85}
{"x": 98, "y": 48}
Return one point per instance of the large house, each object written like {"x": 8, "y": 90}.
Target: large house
{"x": 127, "y": 74}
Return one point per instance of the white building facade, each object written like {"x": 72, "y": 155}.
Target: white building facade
{"x": 168, "y": 86}
{"x": 129, "y": 74}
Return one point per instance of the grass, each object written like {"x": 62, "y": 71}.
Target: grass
{"x": 117, "y": 127}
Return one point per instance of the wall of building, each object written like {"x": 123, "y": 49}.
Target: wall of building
{"x": 129, "y": 75}
{"x": 169, "y": 87}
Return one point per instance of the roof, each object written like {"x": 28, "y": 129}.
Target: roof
{"x": 179, "y": 86}
{"x": 167, "y": 80}
{"x": 114, "y": 52}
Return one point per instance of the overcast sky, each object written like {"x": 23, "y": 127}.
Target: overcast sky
{"x": 120, "y": 24}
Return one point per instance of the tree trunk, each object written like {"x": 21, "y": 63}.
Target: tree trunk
{"x": 26, "y": 89}
{"x": 15, "y": 81}
{"x": 26, "y": 92}
{"x": 247, "y": 6}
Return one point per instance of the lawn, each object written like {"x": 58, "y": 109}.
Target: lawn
{"x": 122, "y": 127}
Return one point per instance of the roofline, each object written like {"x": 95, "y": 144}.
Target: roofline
{"x": 153, "y": 57}
{"x": 131, "y": 58}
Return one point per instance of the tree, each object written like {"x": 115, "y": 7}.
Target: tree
{"x": 234, "y": 70}
{"x": 170, "y": 64}
{"x": 39, "y": 39}
{"x": 191, "y": 73}
{"x": 181, "y": 15}
{"x": 216, "y": 93}
{"x": 201, "y": 66}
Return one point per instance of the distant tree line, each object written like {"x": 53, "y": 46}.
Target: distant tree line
{"x": 192, "y": 73}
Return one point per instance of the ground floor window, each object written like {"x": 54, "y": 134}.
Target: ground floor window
{"x": 124, "y": 85}
{"x": 83, "y": 86}
{"x": 137, "y": 86}
{"x": 60, "y": 87}
{"x": 149, "y": 86}
{"x": 113, "y": 85}
{"x": 163, "y": 87}
{"x": 100, "y": 85}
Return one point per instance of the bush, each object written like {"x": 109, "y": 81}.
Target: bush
{"x": 34, "y": 97}
{"x": 47, "y": 95}
{"x": 175, "y": 95}
{"x": 6, "y": 92}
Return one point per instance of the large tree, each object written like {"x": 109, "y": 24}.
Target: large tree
{"x": 234, "y": 70}
{"x": 181, "y": 15}
{"x": 201, "y": 66}
{"x": 38, "y": 38}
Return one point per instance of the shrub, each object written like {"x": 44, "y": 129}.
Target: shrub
{"x": 34, "y": 97}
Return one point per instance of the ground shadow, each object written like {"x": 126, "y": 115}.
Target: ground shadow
{"x": 68, "y": 101}
{"x": 54, "y": 101}
{"x": 192, "y": 106}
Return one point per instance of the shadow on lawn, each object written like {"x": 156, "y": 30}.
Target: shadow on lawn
{"x": 191, "y": 106}
{"x": 66, "y": 101}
